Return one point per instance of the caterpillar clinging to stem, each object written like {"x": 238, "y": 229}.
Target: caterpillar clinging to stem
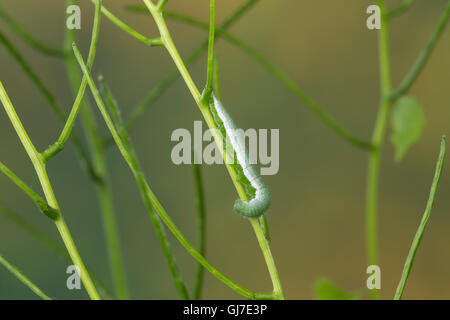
{"x": 247, "y": 173}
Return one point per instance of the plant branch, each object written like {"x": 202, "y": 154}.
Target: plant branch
{"x": 33, "y": 231}
{"x": 30, "y": 39}
{"x": 126, "y": 28}
{"x": 173, "y": 75}
{"x": 377, "y": 141}
{"x": 204, "y": 109}
{"x": 43, "y": 206}
{"x": 158, "y": 207}
{"x": 165, "y": 245}
{"x": 280, "y": 75}
{"x": 47, "y": 241}
{"x": 57, "y": 110}
{"x": 39, "y": 166}
{"x": 424, "y": 56}
{"x": 423, "y": 223}
{"x": 23, "y": 278}
{"x": 60, "y": 143}
{"x": 210, "y": 71}
{"x": 104, "y": 192}
{"x": 161, "y": 4}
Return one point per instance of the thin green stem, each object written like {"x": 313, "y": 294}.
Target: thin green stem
{"x": 33, "y": 231}
{"x": 64, "y": 136}
{"x": 123, "y": 26}
{"x": 29, "y": 38}
{"x": 156, "y": 204}
{"x": 104, "y": 192}
{"x": 210, "y": 71}
{"x": 47, "y": 241}
{"x": 159, "y": 227}
{"x": 423, "y": 223}
{"x": 328, "y": 120}
{"x": 23, "y": 278}
{"x": 161, "y": 4}
{"x": 173, "y": 75}
{"x": 50, "y": 212}
{"x": 201, "y": 227}
{"x": 424, "y": 56}
{"x": 265, "y": 248}
{"x": 377, "y": 142}
{"x": 39, "y": 166}
{"x": 204, "y": 109}
{"x": 56, "y": 108}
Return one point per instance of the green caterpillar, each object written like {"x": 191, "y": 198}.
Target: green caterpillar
{"x": 247, "y": 174}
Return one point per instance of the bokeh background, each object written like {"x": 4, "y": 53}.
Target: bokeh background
{"x": 317, "y": 216}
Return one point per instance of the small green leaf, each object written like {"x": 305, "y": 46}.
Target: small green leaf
{"x": 407, "y": 122}
{"x": 325, "y": 290}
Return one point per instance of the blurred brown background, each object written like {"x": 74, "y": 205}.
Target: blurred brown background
{"x": 317, "y": 216}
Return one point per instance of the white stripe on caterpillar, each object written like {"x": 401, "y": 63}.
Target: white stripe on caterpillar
{"x": 257, "y": 206}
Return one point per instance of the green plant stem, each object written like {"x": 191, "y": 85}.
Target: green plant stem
{"x": 156, "y": 204}
{"x": 30, "y": 39}
{"x": 173, "y": 75}
{"x": 401, "y": 8}
{"x": 47, "y": 241}
{"x": 50, "y": 212}
{"x": 423, "y": 223}
{"x": 33, "y": 231}
{"x": 39, "y": 166}
{"x": 64, "y": 136}
{"x": 171, "y": 48}
{"x": 377, "y": 142}
{"x": 161, "y": 4}
{"x": 159, "y": 227}
{"x": 424, "y": 56}
{"x": 23, "y": 278}
{"x": 126, "y": 28}
{"x": 328, "y": 120}
{"x": 93, "y": 136}
{"x": 210, "y": 70}
{"x": 201, "y": 227}
{"x": 57, "y": 110}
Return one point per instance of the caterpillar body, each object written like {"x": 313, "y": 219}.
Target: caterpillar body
{"x": 247, "y": 174}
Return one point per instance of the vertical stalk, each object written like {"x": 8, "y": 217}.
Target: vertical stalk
{"x": 39, "y": 166}
{"x": 104, "y": 193}
{"x": 204, "y": 109}
{"x": 377, "y": 141}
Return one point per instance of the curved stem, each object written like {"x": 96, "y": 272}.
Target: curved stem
{"x": 423, "y": 223}
{"x": 377, "y": 141}
{"x": 140, "y": 179}
{"x": 327, "y": 119}
{"x": 164, "y": 83}
{"x": 418, "y": 66}
{"x": 149, "y": 193}
{"x": 41, "y": 172}
{"x": 30, "y": 39}
{"x": 103, "y": 189}
{"x": 171, "y": 48}
{"x": 23, "y": 278}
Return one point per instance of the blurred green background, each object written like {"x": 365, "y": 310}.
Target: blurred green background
{"x": 317, "y": 216}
